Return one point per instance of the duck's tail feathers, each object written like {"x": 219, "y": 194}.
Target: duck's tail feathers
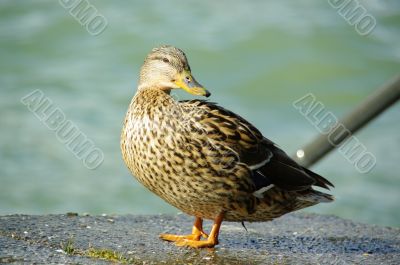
{"x": 316, "y": 197}
{"x": 319, "y": 180}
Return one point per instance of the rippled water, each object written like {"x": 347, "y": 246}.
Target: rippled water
{"x": 255, "y": 57}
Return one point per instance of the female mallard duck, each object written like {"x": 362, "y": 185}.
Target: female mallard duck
{"x": 205, "y": 160}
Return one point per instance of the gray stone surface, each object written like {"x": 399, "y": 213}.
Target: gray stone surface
{"x": 296, "y": 238}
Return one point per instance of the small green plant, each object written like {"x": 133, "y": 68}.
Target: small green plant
{"x": 69, "y": 246}
{"x": 106, "y": 254}
{"x": 95, "y": 253}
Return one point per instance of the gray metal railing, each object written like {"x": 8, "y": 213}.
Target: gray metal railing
{"x": 371, "y": 107}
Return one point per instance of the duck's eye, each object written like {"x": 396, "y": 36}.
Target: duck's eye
{"x": 165, "y": 60}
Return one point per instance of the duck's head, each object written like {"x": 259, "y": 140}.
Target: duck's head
{"x": 166, "y": 68}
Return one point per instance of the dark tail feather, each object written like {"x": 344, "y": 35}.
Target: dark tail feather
{"x": 315, "y": 196}
{"x": 319, "y": 180}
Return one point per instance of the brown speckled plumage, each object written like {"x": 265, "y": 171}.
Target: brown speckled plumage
{"x": 205, "y": 160}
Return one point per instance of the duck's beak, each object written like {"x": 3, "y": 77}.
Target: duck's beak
{"x": 186, "y": 81}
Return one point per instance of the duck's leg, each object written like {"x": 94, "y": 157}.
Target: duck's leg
{"x": 211, "y": 241}
{"x": 197, "y": 233}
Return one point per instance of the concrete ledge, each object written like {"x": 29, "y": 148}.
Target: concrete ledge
{"x": 296, "y": 238}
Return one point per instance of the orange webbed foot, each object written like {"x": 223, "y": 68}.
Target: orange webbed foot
{"x": 197, "y": 233}
{"x": 209, "y": 243}
{"x": 175, "y": 238}
{"x": 193, "y": 240}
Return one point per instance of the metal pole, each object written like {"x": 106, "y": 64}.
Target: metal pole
{"x": 371, "y": 107}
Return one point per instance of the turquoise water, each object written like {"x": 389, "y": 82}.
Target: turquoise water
{"x": 255, "y": 57}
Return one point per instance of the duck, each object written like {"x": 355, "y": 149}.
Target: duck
{"x": 204, "y": 159}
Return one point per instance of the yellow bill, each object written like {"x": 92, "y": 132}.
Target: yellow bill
{"x": 186, "y": 81}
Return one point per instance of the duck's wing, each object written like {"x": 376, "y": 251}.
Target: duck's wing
{"x": 267, "y": 162}
{"x": 225, "y": 128}
{"x": 285, "y": 173}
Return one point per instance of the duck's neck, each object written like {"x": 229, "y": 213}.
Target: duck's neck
{"x": 153, "y": 99}
{"x": 165, "y": 87}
